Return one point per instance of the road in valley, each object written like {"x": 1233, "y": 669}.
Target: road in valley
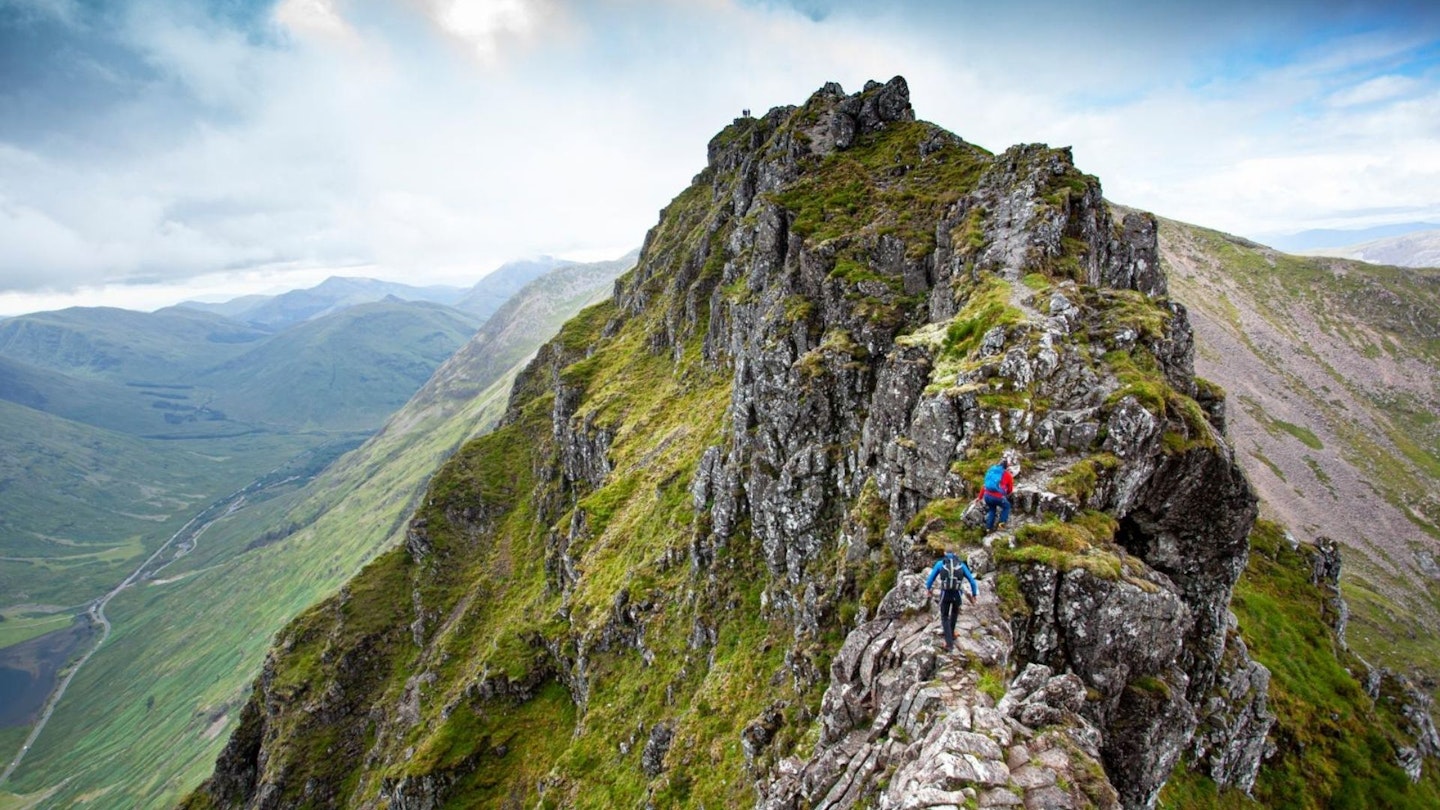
{"x": 189, "y": 533}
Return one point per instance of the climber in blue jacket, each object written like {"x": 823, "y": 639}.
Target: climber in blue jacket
{"x": 948, "y": 571}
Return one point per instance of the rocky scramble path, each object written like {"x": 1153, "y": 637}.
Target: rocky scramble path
{"x": 905, "y": 725}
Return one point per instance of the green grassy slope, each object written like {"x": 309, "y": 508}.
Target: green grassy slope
{"x": 104, "y": 404}
{"x": 81, "y": 506}
{"x": 540, "y": 308}
{"x": 490, "y": 596}
{"x": 491, "y": 292}
{"x": 1334, "y": 744}
{"x": 345, "y": 371}
{"x": 141, "y": 735}
{"x": 150, "y": 712}
{"x": 122, "y": 345}
{"x": 1333, "y": 369}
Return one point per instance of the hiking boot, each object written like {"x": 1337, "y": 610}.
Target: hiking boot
{"x": 1000, "y": 527}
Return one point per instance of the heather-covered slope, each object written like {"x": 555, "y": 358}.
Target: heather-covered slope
{"x": 1333, "y": 371}
{"x": 680, "y": 571}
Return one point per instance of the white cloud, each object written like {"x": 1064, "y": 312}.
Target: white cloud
{"x": 216, "y": 65}
{"x": 1380, "y": 88}
{"x": 40, "y": 251}
{"x": 566, "y": 127}
{"x": 488, "y": 27}
{"x": 316, "y": 18}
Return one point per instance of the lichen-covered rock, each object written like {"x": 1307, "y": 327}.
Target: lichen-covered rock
{"x": 1231, "y": 741}
{"x": 898, "y": 706}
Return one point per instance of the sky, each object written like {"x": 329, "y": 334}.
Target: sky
{"x": 153, "y": 151}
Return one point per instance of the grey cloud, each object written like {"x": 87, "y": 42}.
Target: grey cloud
{"x": 167, "y": 144}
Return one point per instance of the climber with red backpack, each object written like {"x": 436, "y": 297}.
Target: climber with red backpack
{"x": 995, "y": 494}
{"x": 949, "y": 571}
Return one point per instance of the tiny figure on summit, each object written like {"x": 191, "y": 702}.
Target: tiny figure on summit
{"x": 948, "y": 570}
{"x": 995, "y": 493}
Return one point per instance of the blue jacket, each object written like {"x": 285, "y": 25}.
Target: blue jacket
{"x": 964, "y": 569}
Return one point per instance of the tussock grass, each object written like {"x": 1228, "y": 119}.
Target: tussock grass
{"x": 1335, "y": 747}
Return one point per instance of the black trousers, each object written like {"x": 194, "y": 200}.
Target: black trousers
{"x": 949, "y": 612}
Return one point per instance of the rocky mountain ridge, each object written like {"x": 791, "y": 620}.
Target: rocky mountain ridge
{"x": 677, "y": 574}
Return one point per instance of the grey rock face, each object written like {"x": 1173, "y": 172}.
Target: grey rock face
{"x": 898, "y": 705}
{"x": 1111, "y": 632}
{"x": 1326, "y": 576}
{"x": 1231, "y": 742}
{"x": 824, "y": 402}
{"x": 865, "y": 112}
{"x": 652, "y": 759}
{"x": 1134, "y": 260}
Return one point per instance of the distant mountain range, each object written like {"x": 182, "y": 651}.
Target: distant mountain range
{"x": 331, "y": 295}
{"x": 1315, "y": 239}
{"x": 1416, "y": 249}
{"x": 339, "y": 292}
{"x": 181, "y": 373}
{"x": 117, "y": 427}
{"x": 122, "y": 345}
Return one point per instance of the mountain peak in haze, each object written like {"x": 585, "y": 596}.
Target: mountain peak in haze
{"x": 338, "y": 292}
{"x": 1322, "y": 238}
{"x": 1413, "y": 249}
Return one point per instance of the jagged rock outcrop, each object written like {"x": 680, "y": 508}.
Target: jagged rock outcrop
{"x": 1326, "y": 576}
{"x": 700, "y": 519}
{"x": 899, "y": 713}
{"x": 1412, "y": 705}
{"x": 1185, "y": 514}
{"x": 1419, "y": 724}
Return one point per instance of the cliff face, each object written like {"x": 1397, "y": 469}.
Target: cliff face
{"x": 683, "y": 571}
